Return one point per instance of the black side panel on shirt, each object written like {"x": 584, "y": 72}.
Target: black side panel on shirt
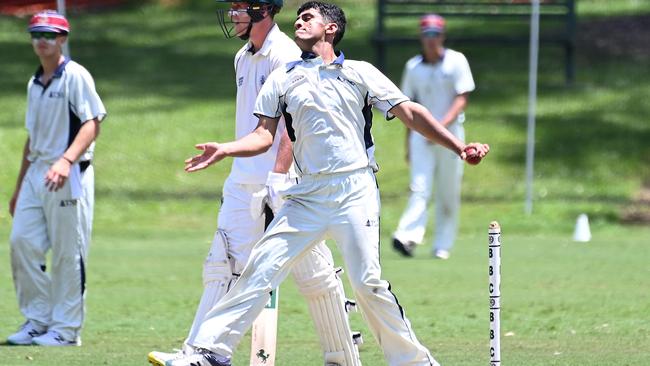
{"x": 268, "y": 216}
{"x": 288, "y": 120}
{"x": 367, "y": 116}
{"x": 75, "y": 126}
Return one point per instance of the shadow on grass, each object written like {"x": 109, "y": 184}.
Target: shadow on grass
{"x": 211, "y": 195}
{"x": 578, "y": 140}
{"x": 7, "y": 344}
{"x": 180, "y": 56}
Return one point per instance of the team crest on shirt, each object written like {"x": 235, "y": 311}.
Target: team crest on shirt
{"x": 262, "y": 79}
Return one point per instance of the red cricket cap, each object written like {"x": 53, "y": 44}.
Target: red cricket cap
{"x": 48, "y": 21}
{"x": 432, "y": 24}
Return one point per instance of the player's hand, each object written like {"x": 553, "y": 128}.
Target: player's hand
{"x": 212, "y": 153}
{"x": 57, "y": 175}
{"x": 474, "y": 152}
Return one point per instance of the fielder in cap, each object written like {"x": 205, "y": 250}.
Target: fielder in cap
{"x": 252, "y": 189}
{"x": 327, "y": 103}
{"x": 440, "y": 79}
{"x": 52, "y": 205}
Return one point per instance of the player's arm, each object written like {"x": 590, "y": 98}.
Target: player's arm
{"x": 284, "y": 158}
{"x": 418, "y": 118}
{"x": 88, "y": 133}
{"x": 463, "y": 85}
{"x": 21, "y": 175}
{"x": 255, "y": 143}
{"x": 60, "y": 170}
{"x": 457, "y": 107}
{"x": 285, "y": 154}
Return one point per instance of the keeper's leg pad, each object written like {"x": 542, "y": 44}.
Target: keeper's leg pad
{"x": 317, "y": 280}
{"x": 217, "y": 278}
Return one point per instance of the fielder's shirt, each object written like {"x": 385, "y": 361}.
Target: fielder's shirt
{"x": 436, "y": 85}
{"x": 56, "y": 111}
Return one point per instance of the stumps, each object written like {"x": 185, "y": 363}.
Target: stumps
{"x": 494, "y": 271}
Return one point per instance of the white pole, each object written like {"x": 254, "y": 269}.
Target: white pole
{"x": 532, "y": 100}
{"x": 60, "y": 7}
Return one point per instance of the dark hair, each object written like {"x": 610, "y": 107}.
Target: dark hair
{"x": 331, "y": 13}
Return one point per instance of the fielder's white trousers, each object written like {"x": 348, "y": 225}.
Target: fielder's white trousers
{"x": 345, "y": 207}
{"x": 433, "y": 167}
{"x": 44, "y": 221}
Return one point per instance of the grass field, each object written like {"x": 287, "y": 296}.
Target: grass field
{"x": 165, "y": 74}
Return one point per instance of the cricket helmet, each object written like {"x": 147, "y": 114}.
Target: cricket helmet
{"x": 257, "y": 10}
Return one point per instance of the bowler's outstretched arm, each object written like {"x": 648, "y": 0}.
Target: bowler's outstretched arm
{"x": 255, "y": 143}
{"x": 418, "y": 118}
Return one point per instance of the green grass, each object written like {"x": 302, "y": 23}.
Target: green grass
{"x": 168, "y": 83}
{"x": 566, "y": 303}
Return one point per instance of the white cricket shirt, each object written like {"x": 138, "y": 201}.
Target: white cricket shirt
{"x": 327, "y": 110}
{"x": 56, "y": 111}
{"x": 252, "y": 71}
{"x": 436, "y": 85}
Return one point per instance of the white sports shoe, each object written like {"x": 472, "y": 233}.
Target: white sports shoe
{"x": 200, "y": 357}
{"x": 160, "y": 358}
{"x": 53, "y": 339}
{"x": 441, "y": 254}
{"x": 24, "y": 335}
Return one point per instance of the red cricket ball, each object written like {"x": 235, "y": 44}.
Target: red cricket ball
{"x": 473, "y": 157}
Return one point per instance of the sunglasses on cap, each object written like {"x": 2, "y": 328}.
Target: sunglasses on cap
{"x": 46, "y": 35}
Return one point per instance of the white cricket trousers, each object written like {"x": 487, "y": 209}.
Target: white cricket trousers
{"x": 344, "y": 207}
{"x": 433, "y": 167}
{"x": 52, "y": 297}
